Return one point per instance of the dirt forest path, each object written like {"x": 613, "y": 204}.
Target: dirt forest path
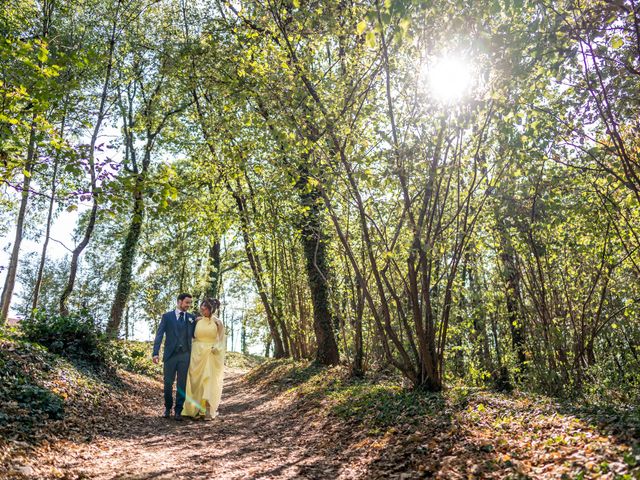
{"x": 251, "y": 439}
{"x": 279, "y": 432}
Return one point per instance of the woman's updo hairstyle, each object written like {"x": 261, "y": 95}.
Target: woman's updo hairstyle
{"x": 213, "y": 304}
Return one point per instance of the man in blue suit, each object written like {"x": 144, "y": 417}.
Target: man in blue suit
{"x": 178, "y": 326}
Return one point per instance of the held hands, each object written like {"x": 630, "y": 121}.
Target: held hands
{"x": 156, "y": 359}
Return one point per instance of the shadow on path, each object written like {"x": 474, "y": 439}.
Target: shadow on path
{"x": 254, "y": 436}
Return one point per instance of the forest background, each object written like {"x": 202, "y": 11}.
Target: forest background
{"x": 446, "y": 189}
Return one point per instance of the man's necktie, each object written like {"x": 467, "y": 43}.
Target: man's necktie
{"x": 181, "y": 317}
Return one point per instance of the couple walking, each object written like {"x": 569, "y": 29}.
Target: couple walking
{"x": 194, "y": 351}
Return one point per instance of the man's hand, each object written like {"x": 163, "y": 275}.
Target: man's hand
{"x": 156, "y": 359}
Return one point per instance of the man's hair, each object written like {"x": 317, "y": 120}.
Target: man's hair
{"x": 182, "y": 296}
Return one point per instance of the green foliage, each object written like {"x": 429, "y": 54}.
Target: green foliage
{"x": 499, "y": 234}
{"x": 284, "y": 374}
{"x": 243, "y": 361}
{"x": 132, "y": 356}
{"x": 75, "y": 337}
{"x": 21, "y": 389}
{"x": 376, "y": 402}
{"x": 38, "y": 399}
{"x": 381, "y": 406}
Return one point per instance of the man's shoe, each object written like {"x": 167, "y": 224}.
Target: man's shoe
{"x": 178, "y": 417}
{"x": 167, "y": 414}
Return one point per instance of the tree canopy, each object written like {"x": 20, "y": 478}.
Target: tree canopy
{"x": 297, "y": 155}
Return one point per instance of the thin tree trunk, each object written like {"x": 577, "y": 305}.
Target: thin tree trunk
{"x": 243, "y": 335}
{"x": 258, "y": 274}
{"x": 126, "y": 324}
{"x": 511, "y": 275}
{"x": 75, "y": 259}
{"x": 480, "y": 338}
{"x": 47, "y": 236}
{"x": 358, "y": 358}
{"x": 233, "y": 331}
{"x": 12, "y": 270}
{"x": 315, "y": 251}
{"x": 267, "y": 347}
{"x": 75, "y": 256}
{"x": 215, "y": 271}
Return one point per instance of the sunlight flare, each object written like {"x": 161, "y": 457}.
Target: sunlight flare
{"x": 448, "y": 79}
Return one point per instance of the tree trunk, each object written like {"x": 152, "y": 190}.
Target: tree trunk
{"x": 12, "y": 270}
{"x": 474, "y": 302}
{"x": 286, "y": 339}
{"x": 233, "y": 331}
{"x": 215, "y": 272}
{"x": 315, "y": 251}
{"x": 47, "y": 236}
{"x": 75, "y": 259}
{"x": 127, "y": 259}
{"x": 126, "y": 324}
{"x": 358, "y": 358}
{"x": 258, "y": 274}
{"x": 511, "y": 276}
{"x": 73, "y": 270}
{"x": 243, "y": 335}
{"x": 267, "y": 347}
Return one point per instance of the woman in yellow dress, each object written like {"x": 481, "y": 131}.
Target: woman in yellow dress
{"x": 206, "y": 368}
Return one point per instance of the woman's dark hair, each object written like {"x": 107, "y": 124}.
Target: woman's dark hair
{"x": 182, "y": 296}
{"x": 213, "y": 304}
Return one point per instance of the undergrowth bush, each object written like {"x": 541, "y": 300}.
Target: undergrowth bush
{"x": 19, "y": 391}
{"x": 130, "y": 355}
{"x": 39, "y": 399}
{"x": 75, "y": 336}
{"x": 383, "y": 405}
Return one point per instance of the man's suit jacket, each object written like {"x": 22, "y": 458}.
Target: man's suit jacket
{"x": 169, "y": 327}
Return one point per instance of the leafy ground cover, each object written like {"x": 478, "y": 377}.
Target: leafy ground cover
{"x": 46, "y": 398}
{"x": 284, "y": 419}
{"x": 462, "y": 433}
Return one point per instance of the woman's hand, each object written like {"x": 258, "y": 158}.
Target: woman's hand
{"x": 214, "y": 350}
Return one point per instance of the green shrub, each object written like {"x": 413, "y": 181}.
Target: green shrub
{"x": 130, "y": 355}
{"x": 22, "y": 397}
{"x": 39, "y": 399}
{"x": 75, "y": 336}
{"x": 383, "y": 405}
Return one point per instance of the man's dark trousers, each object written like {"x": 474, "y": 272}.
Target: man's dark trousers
{"x": 176, "y": 365}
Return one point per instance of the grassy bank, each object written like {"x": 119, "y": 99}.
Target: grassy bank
{"x": 461, "y": 433}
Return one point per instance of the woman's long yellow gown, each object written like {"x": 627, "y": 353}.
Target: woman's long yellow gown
{"x": 206, "y": 369}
